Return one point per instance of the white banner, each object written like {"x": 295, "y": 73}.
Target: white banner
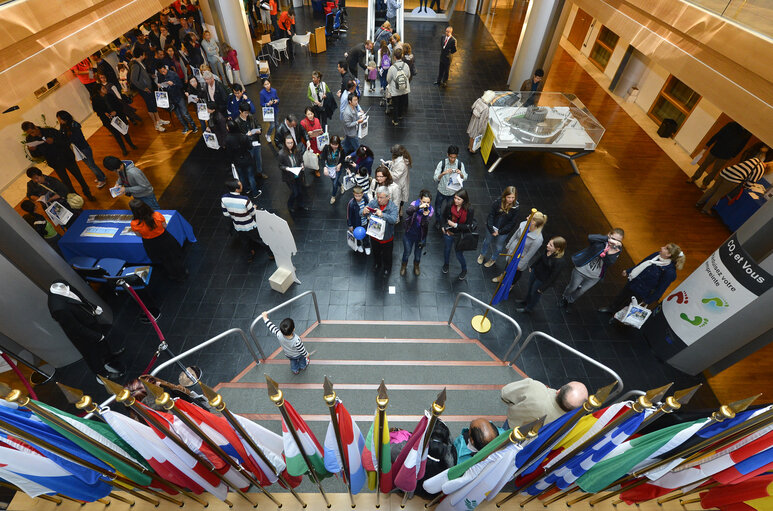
{"x": 725, "y": 283}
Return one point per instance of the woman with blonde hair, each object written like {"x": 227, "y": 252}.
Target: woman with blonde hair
{"x": 499, "y": 225}
{"x": 531, "y": 243}
{"x": 543, "y": 271}
{"x": 648, "y": 280}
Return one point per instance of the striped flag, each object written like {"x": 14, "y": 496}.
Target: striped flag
{"x": 309, "y": 443}
{"x": 164, "y": 461}
{"x": 409, "y": 466}
{"x": 353, "y": 444}
{"x": 759, "y": 488}
{"x": 271, "y": 445}
{"x": 746, "y": 469}
{"x": 512, "y": 268}
{"x": 369, "y": 456}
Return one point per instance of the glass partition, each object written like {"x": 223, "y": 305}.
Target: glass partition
{"x": 756, "y": 15}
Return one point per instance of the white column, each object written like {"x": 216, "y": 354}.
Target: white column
{"x": 236, "y": 31}
{"x": 540, "y": 27}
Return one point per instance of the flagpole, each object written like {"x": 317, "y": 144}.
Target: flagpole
{"x": 123, "y": 396}
{"x": 382, "y": 400}
{"x": 216, "y": 402}
{"x": 437, "y": 408}
{"x": 481, "y": 323}
{"x": 86, "y": 403}
{"x": 699, "y": 489}
{"x": 670, "y": 404}
{"x": 112, "y": 479}
{"x": 330, "y": 400}
{"x": 164, "y": 400}
{"x": 56, "y": 500}
{"x": 15, "y": 396}
{"x": 592, "y": 403}
{"x": 277, "y": 397}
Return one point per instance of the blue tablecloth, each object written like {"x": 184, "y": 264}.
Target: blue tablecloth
{"x": 735, "y": 214}
{"x": 126, "y": 247}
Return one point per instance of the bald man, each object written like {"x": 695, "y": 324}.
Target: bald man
{"x": 528, "y": 400}
{"x": 475, "y": 438}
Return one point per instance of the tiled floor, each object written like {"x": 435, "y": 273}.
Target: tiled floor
{"x": 224, "y": 291}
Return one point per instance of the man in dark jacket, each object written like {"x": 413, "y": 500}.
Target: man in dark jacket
{"x": 173, "y": 86}
{"x": 590, "y": 264}
{"x": 356, "y": 57}
{"x": 57, "y": 152}
{"x": 346, "y": 76}
{"x": 723, "y": 146}
{"x": 215, "y": 91}
{"x": 447, "y": 50}
{"x": 291, "y": 127}
{"x": 139, "y": 78}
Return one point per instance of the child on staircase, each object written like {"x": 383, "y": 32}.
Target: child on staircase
{"x": 291, "y": 344}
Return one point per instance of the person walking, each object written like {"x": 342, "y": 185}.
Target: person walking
{"x": 456, "y": 219}
{"x": 320, "y": 97}
{"x": 238, "y": 146}
{"x": 132, "y": 180}
{"x": 72, "y": 132}
{"x": 139, "y": 78}
{"x": 383, "y": 208}
{"x": 450, "y": 176}
{"x": 290, "y": 160}
{"x": 239, "y": 208}
{"x": 447, "y": 50}
{"x": 332, "y": 159}
{"x": 400, "y": 168}
{"x": 171, "y": 83}
{"x": 591, "y": 264}
{"x": 499, "y": 224}
{"x": 107, "y": 106}
{"x": 722, "y": 147}
{"x": 543, "y": 271}
{"x": 161, "y": 246}
{"x": 399, "y": 83}
{"x": 270, "y": 98}
{"x": 743, "y": 174}
{"x": 417, "y": 217}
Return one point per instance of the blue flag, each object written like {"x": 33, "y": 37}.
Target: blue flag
{"x": 507, "y": 281}
{"x": 539, "y": 443}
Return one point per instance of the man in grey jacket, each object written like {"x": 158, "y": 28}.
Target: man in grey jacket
{"x": 139, "y": 78}
{"x": 132, "y": 181}
{"x": 352, "y": 119}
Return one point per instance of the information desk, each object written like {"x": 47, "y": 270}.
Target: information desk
{"x": 107, "y": 233}
{"x": 540, "y": 121}
{"x": 734, "y": 214}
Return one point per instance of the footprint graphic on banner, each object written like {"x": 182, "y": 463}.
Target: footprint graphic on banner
{"x": 679, "y": 296}
{"x": 715, "y": 302}
{"x": 697, "y": 320}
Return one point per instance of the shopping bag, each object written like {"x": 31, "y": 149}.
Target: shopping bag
{"x": 268, "y": 114}
{"x": 633, "y": 314}
{"x": 362, "y": 130}
{"x": 455, "y": 182}
{"x": 310, "y": 160}
{"x": 349, "y": 182}
{"x": 376, "y": 227}
{"x": 322, "y": 141}
{"x": 201, "y": 111}
{"x": 331, "y": 172}
{"x": 211, "y": 140}
{"x": 698, "y": 157}
{"x": 229, "y": 73}
{"x": 119, "y": 125}
{"x": 476, "y": 143}
{"x": 162, "y": 99}
{"x": 58, "y": 214}
{"x": 79, "y": 156}
{"x": 351, "y": 240}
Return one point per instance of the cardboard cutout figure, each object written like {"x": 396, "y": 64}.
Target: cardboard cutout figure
{"x": 277, "y": 235}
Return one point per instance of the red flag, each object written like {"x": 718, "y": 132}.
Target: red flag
{"x": 755, "y": 488}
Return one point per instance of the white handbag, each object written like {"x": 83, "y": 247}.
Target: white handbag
{"x": 455, "y": 182}
{"x": 633, "y": 314}
{"x": 348, "y": 182}
{"x": 351, "y": 240}
{"x": 201, "y": 111}
{"x": 310, "y": 160}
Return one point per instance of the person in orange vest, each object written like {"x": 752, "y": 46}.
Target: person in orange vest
{"x": 274, "y": 11}
{"x": 287, "y": 28}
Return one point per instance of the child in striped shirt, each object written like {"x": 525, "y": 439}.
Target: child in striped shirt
{"x": 290, "y": 342}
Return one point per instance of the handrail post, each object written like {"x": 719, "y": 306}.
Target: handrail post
{"x": 519, "y": 331}
{"x": 255, "y": 321}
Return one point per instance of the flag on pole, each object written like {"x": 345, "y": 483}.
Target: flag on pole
{"x": 271, "y": 445}
{"x": 540, "y": 442}
{"x": 410, "y": 464}
{"x": 512, "y": 268}
{"x": 353, "y": 444}
{"x": 746, "y": 469}
{"x": 757, "y": 488}
{"x": 639, "y": 452}
{"x": 103, "y": 434}
{"x": 164, "y": 460}
{"x": 369, "y": 455}
{"x": 296, "y": 466}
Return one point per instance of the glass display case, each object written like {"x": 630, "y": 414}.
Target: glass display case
{"x": 547, "y": 121}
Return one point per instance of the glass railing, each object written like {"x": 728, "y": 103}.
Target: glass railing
{"x": 756, "y": 15}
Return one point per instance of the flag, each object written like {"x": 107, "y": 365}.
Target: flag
{"x": 352, "y": 445}
{"x": 763, "y": 504}
{"x": 271, "y": 445}
{"x": 165, "y": 461}
{"x": 103, "y": 434}
{"x": 369, "y": 456}
{"x": 539, "y": 443}
{"x": 296, "y": 466}
{"x": 37, "y": 475}
{"x": 746, "y": 469}
{"x": 759, "y": 487}
{"x": 512, "y": 268}
{"x": 639, "y": 452}
{"x": 409, "y": 466}
{"x": 29, "y": 423}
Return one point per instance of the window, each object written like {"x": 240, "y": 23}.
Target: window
{"x": 603, "y": 48}
{"x": 676, "y": 101}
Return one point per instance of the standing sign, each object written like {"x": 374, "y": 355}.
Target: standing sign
{"x": 487, "y": 143}
{"x": 725, "y": 283}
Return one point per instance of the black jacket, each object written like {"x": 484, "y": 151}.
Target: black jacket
{"x": 325, "y": 157}
{"x": 104, "y": 105}
{"x": 282, "y": 131}
{"x": 216, "y": 125}
{"x": 58, "y": 154}
{"x": 446, "y": 216}
{"x": 504, "y": 222}
{"x": 220, "y": 96}
{"x": 238, "y": 147}
{"x": 345, "y": 78}
{"x": 78, "y": 319}
{"x": 36, "y": 190}
{"x": 597, "y": 243}
{"x": 286, "y": 160}
{"x": 356, "y": 57}
{"x": 728, "y": 141}
{"x": 106, "y": 69}
{"x": 546, "y": 269}
{"x": 450, "y": 48}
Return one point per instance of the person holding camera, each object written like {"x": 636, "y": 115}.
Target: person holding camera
{"x": 591, "y": 263}
{"x": 449, "y": 175}
{"x": 417, "y": 216}
{"x": 457, "y": 218}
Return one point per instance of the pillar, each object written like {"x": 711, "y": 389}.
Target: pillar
{"x": 235, "y": 30}
{"x": 541, "y": 31}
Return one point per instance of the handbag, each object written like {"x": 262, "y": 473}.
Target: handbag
{"x": 331, "y": 172}
{"x": 310, "y": 160}
{"x": 120, "y": 126}
{"x": 351, "y": 240}
{"x": 162, "y": 99}
{"x": 467, "y": 238}
{"x": 348, "y": 182}
{"x": 634, "y": 314}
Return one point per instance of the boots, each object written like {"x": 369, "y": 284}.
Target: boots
{"x": 402, "y": 268}
{"x": 416, "y": 270}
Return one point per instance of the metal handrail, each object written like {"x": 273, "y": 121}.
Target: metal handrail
{"x": 196, "y": 348}
{"x": 283, "y": 304}
{"x": 580, "y": 354}
{"x": 492, "y": 309}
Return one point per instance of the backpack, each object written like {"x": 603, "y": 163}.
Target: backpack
{"x": 401, "y": 81}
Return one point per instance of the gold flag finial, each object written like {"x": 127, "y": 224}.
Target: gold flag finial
{"x": 330, "y": 394}
{"x": 122, "y": 395}
{"x": 215, "y": 400}
{"x": 78, "y": 398}
{"x": 652, "y": 396}
{"x": 439, "y": 405}
{"x": 382, "y": 399}
{"x": 680, "y": 398}
{"x": 13, "y": 395}
{"x": 163, "y": 398}
{"x": 743, "y": 404}
{"x": 274, "y": 393}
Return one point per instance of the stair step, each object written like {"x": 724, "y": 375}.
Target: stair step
{"x": 384, "y": 330}
{"x": 380, "y": 350}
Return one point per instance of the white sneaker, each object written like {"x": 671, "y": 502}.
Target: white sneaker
{"x": 332, "y": 200}
{"x": 480, "y": 259}
{"x": 268, "y": 138}
{"x": 159, "y": 127}
{"x": 360, "y": 249}
{"x": 367, "y": 250}
{"x": 163, "y": 122}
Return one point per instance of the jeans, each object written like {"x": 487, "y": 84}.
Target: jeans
{"x": 90, "y": 163}
{"x": 337, "y": 183}
{"x": 298, "y": 364}
{"x": 532, "y": 296}
{"x": 258, "y": 158}
{"x": 382, "y": 253}
{"x": 382, "y": 77}
{"x": 296, "y": 195}
{"x": 350, "y": 144}
{"x": 150, "y": 200}
{"x": 270, "y": 130}
{"x": 411, "y": 244}
{"x": 246, "y": 172}
{"x": 495, "y": 242}
{"x": 440, "y": 200}
{"x": 181, "y": 111}
{"x": 578, "y": 285}
{"x": 448, "y": 244}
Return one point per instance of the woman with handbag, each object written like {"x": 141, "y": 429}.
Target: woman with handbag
{"x": 499, "y": 225}
{"x": 162, "y": 247}
{"x": 313, "y": 128}
{"x": 290, "y": 157}
{"x": 125, "y": 101}
{"x": 531, "y": 244}
{"x": 332, "y": 159}
{"x": 457, "y": 225}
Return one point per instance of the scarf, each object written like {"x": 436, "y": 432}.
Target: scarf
{"x": 458, "y": 215}
{"x": 657, "y": 261}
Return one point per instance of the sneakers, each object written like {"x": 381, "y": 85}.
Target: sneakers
{"x": 361, "y": 250}
{"x": 332, "y": 200}
{"x": 489, "y": 263}
{"x": 101, "y": 184}
{"x": 445, "y": 268}
{"x": 342, "y": 189}
{"x": 163, "y": 122}
{"x": 563, "y": 303}
{"x": 159, "y": 127}
{"x": 195, "y": 129}
{"x": 498, "y": 278}
{"x": 268, "y": 138}
{"x": 463, "y": 275}
{"x": 480, "y": 259}
{"x": 185, "y": 131}
{"x": 367, "y": 250}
